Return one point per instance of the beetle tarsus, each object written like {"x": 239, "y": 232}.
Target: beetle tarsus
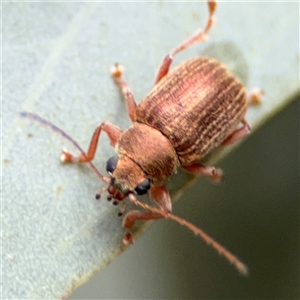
{"x": 117, "y": 70}
{"x": 67, "y": 157}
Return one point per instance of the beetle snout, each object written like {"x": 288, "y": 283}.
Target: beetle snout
{"x": 115, "y": 193}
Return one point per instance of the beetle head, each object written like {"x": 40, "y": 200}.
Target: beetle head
{"x": 125, "y": 177}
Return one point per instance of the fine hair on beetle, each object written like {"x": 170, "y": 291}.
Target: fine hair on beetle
{"x": 192, "y": 109}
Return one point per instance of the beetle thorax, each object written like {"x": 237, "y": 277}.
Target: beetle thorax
{"x": 127, "y": 175}
{"x": 150, "y": 150}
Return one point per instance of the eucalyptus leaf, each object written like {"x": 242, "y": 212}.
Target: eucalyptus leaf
{"x": 56, "y": 58}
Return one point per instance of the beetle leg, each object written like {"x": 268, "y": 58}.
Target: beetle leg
{"x": 161, "y": 196}
{"x": 110, "y": 129}
{"x": 117, "y": 72}
{"x": 199, "y": 170}
{"x": 238, "y": 134}
{"x": 137, "y": 215}
{"x": 254, "y": 98}
{"x": 196, "y": 37}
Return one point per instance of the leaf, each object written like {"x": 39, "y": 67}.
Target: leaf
{"x": 56, "y": 61}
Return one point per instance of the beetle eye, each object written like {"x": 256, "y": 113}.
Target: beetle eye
{"x": 111, "y": 164}
{"x": 143, "y": 187}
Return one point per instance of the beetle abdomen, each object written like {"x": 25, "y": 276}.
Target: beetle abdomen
{"x": 197, "y": 105}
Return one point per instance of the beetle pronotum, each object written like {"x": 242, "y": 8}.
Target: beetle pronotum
{"x": 192, "y": 109}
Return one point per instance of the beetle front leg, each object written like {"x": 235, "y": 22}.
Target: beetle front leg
{"x": 196, "y": 37}
{"x": 113, "y": 132}
{"x": 198, "y": 169}
{"x": 136, "y": 215}
{"x": 117, "y": 72}
{"x": 162, "y": 197}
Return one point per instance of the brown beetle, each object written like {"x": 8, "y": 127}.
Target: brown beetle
{"x": 191, "y": 110}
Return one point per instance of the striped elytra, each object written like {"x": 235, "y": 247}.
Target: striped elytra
{"x": 196, "y": 106}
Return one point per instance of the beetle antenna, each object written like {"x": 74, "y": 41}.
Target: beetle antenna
{"x": 199, "y": 232}
{"x": 55, "y": 128}
{"x": 101, "y": 191}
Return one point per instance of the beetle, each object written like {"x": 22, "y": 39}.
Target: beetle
{"x": 192, "y": 109}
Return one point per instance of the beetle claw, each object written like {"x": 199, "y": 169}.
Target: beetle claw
{"x": 117, "y": 70}
{"x": 128, "y": 238}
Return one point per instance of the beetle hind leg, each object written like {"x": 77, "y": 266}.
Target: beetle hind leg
{"x": 198, "y": 169}
{"x": 253, "y": 98}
